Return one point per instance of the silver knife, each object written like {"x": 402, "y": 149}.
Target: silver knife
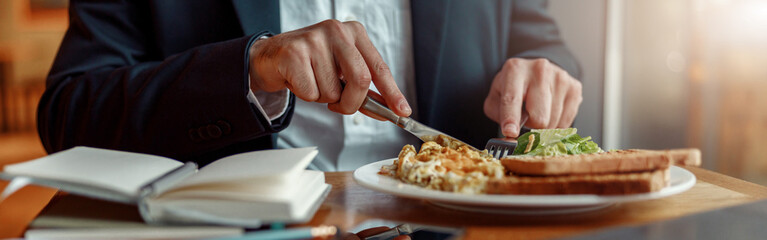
{"x": 420, "y": 130}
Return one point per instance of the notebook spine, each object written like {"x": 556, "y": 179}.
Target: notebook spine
{"x": 160, "y": 185}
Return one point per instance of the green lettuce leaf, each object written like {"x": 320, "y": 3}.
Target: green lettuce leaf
{"x": 553, "y": 142}
{"x": 524, "y": 140}
{"x": 549, "y": 150}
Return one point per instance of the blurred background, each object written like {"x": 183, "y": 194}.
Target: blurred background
{"x": 657, "y": 74}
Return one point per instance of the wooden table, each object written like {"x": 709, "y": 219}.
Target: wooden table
{"x": 20, "y": 208}
{"x": 349, "y": 204}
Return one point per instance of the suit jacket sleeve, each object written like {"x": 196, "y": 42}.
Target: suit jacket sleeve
{"x": 107, "y": 88}
{"x": 535, "y": 35}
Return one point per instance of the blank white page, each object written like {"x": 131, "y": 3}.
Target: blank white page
{"x": 263, "y": 167}
{"x": 121, "y": 171}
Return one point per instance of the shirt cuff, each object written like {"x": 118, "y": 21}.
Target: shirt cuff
{"x": 272, "y": 105}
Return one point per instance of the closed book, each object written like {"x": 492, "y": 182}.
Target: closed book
{"x": 246, "y": 189}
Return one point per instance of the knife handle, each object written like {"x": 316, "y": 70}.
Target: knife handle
{"x": 379, "y": 109}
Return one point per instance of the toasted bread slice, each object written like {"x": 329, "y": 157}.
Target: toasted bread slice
{"x": 607, "y": 162}
{"x": 685, "y": 156}
{"x": 601, "y": 184}
{"x": 620, "y": 161}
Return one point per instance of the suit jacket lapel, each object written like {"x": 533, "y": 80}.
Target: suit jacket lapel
{"x": 257, "y": 16}
{"x": 429, "y": 27}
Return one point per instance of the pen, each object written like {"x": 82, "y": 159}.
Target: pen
{"x": 289, "y": 233}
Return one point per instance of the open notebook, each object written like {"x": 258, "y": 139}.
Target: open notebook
{"x": 246, "y": 189}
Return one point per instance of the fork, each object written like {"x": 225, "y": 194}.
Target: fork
{"x": 499, "y": 148}
{"x": 495, "y": 147}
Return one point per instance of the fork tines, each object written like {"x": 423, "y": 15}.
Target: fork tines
{"x": 499, "y": 148}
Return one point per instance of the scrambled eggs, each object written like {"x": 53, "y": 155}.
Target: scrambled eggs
{"x": 438, "y": 166}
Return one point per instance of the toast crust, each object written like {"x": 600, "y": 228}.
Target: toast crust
{"x": 621, "y": 161}
{"x": 601, "y": 184}
{"x": 685, "y": 156}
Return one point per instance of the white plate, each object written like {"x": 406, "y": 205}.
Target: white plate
{"x": 368, "y": 177}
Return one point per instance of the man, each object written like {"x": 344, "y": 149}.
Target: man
{"x": 179, "y": 79}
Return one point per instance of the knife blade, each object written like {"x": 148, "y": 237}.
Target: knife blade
{"x": 420, "y": 130}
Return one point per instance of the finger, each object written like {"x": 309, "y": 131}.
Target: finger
{"x": 382, "y": 77}
{"x": 508, "y": 139}
{"x": 402, "y": 237}
{"x": 299, "y": 78}
{"x": 372, "y": 231}
{"x": 491, "y": 101}
{"x": 557, "y": 101}
{"x": 538, "y": 100}
{"x": 510, "y": 102}
{"x": 571, "y": 105}
{"x": 355, "y": 72}
{"x": 350, "y": 236}
{"x": 326, "y": 75}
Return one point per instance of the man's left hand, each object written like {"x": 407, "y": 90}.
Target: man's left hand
{"x": 548, "y": 94}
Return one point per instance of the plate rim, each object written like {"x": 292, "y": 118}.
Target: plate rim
{"x": 681, "y": 180}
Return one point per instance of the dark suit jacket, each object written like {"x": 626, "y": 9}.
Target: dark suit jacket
{"x": 170, "y": 77}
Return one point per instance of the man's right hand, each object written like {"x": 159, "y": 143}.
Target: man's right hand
{"x": 312, "y": 61}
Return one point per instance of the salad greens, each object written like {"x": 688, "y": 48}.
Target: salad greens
{"x": 553, "y": 142}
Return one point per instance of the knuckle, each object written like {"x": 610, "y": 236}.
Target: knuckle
{"x": 312, "y": 96}
{"x": 333, "y": 95}
{"x": 562, "y": 79}
{"x": 293, "y": 54}
{"x": 540, "y": 66}
{"x": 574, "y": 87}
{"x": 332, "y": 24}
{"x": 541, "y": 61}
{"x": 511, "y": 63}
{"x": 539, "y": 120}
{"x": 356, "y": 26}
{"x": 307, "y": 94}
{"x": 333, "y": 98}
{"x": 510, "y": 99}
{"x": 381, "y": 68}
{"x": 295, "y": 49}
{"x": 578, "y": 86}
{"x": 334, "y": 27}
{"x": 313, "y": 37}
{"x": 363, "y": 81}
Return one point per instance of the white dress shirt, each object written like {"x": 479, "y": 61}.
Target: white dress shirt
{"x": 346, "y": 142}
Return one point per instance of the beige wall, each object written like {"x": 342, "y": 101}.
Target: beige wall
{"x": 655, "y": 84}
{"x": 582, "y": 26}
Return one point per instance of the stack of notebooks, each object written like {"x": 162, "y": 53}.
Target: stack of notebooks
{"x": 244, "y": 190}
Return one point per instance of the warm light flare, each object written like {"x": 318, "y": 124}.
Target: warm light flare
{"x": 749, "y": 19}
